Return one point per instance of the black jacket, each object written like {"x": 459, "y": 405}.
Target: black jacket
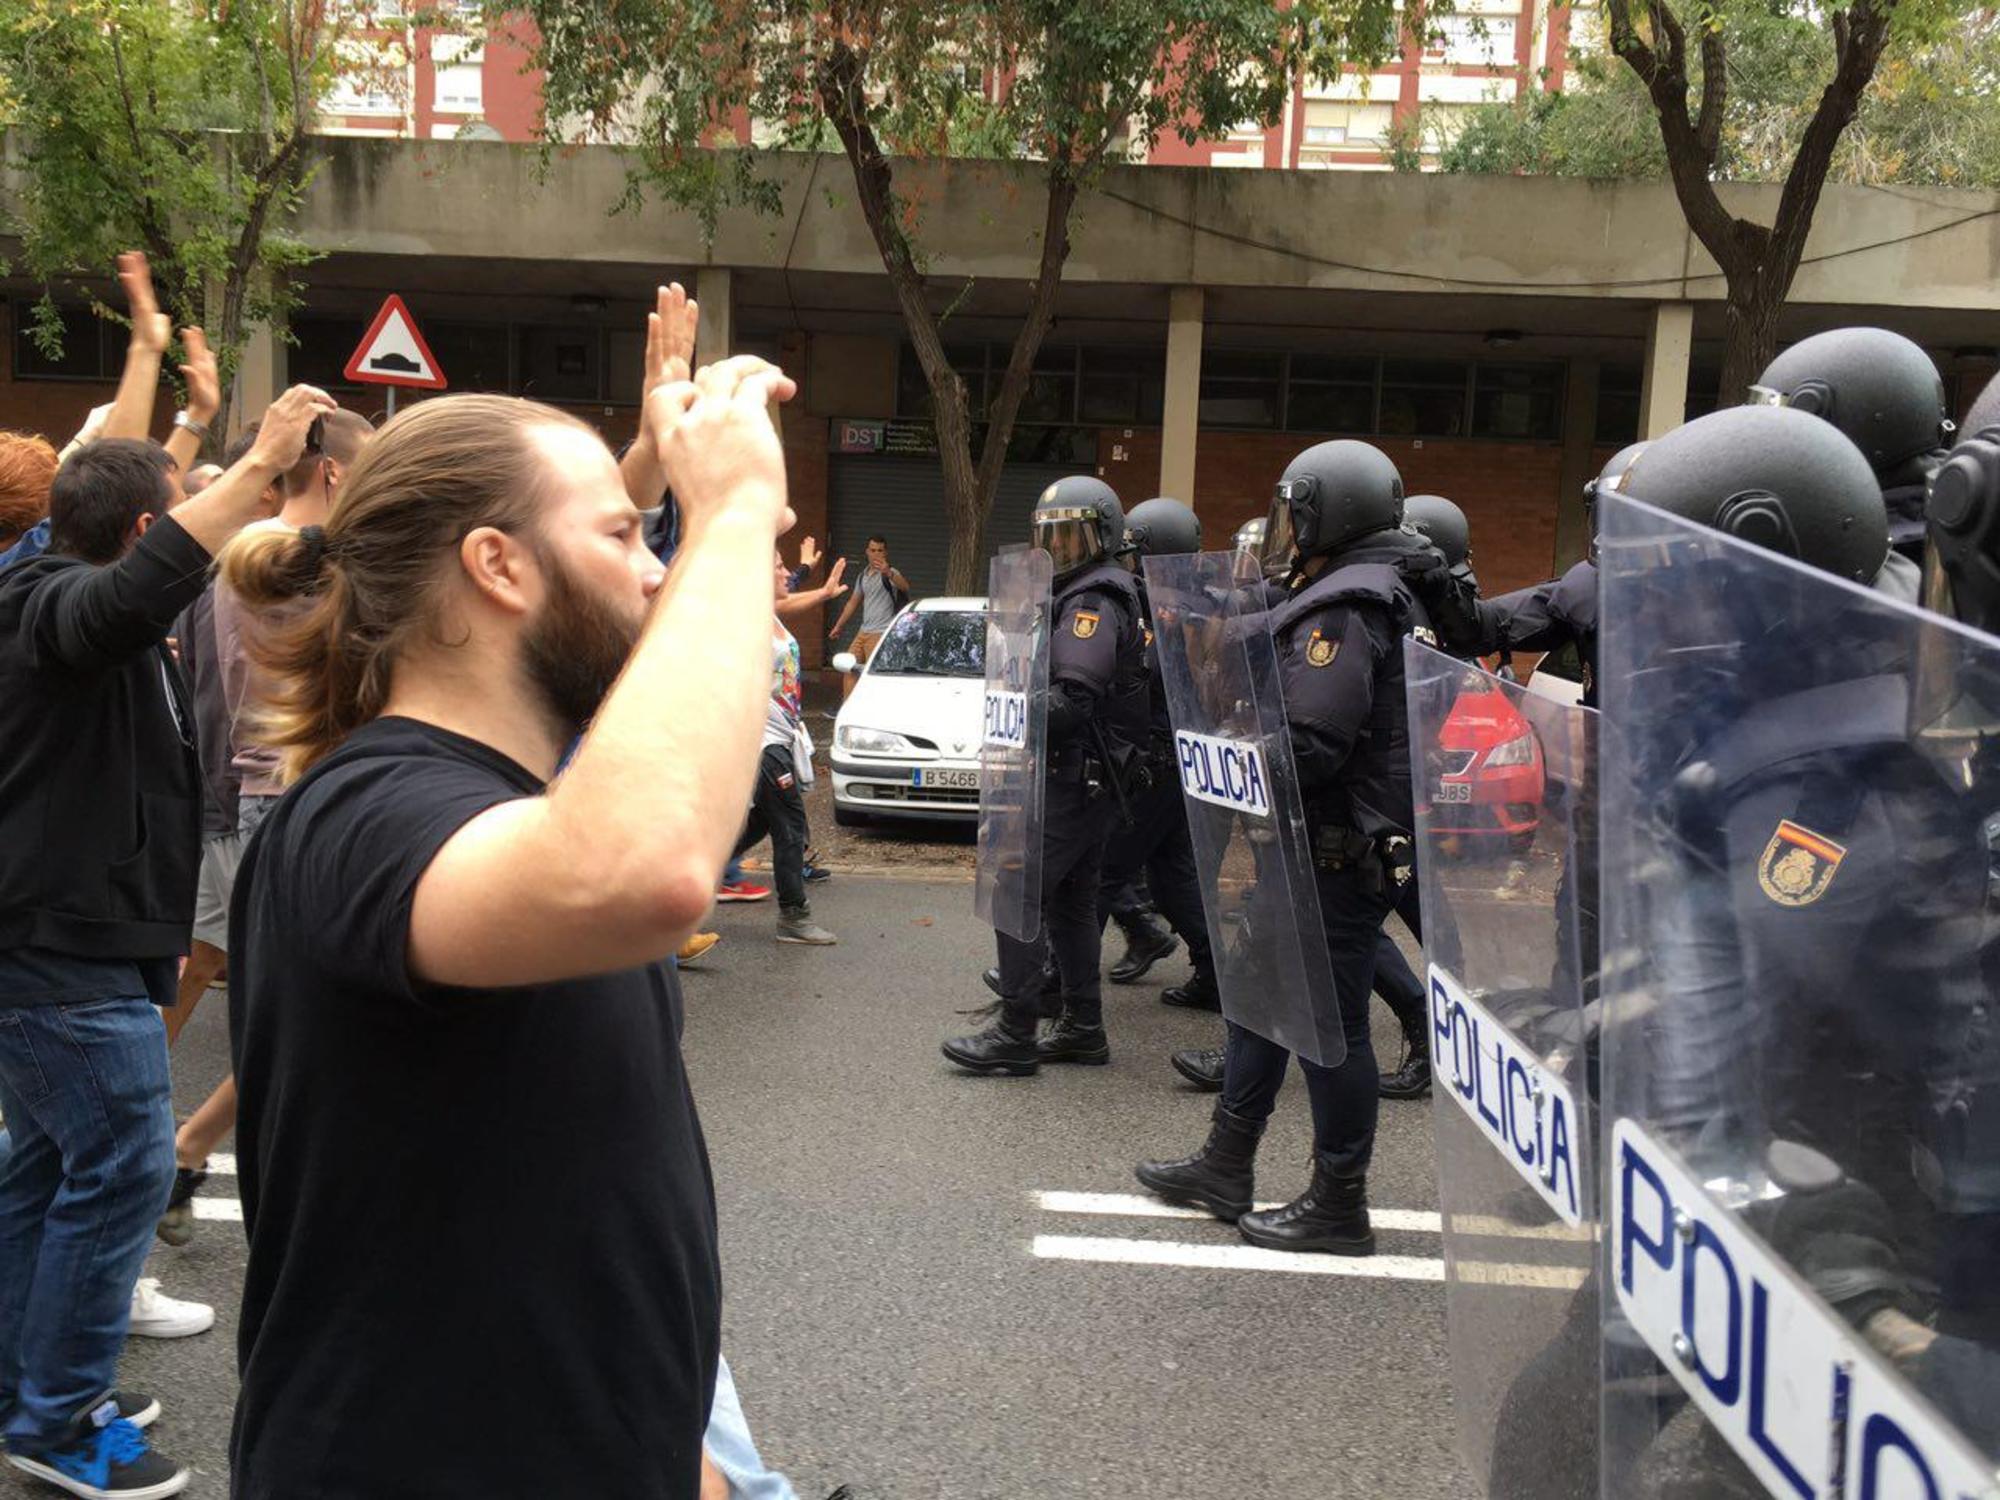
{"x": 100, "y": 792}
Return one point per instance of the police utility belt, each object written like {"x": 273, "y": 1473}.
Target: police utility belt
{"x": 1384, "y": 861}
{"x": 1077, "y": 765}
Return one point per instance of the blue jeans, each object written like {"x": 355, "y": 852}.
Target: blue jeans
{"x": 731, "y": 1450}
{"x": 89, "y": 1107}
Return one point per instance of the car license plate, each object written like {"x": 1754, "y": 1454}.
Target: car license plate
{"x": 945, "y": 780}
{"x": 1452, "y": 791}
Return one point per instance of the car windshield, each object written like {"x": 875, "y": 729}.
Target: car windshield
{"x": 925, "y": 644}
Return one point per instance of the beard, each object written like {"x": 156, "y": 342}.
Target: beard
{"x": 575, "y": 650}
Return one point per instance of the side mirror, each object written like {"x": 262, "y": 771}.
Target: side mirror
{"x": 845, "y": 663}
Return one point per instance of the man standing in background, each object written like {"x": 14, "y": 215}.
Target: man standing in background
{"x": 882, "y": 591}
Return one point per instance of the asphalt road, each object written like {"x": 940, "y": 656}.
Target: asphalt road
{"x": 907, "y": 1315}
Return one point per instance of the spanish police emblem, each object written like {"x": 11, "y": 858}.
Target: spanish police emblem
{"x": 1798, "y": 865}
{"x": 1320, "y": 651}
{"x": 1085, "y": 624}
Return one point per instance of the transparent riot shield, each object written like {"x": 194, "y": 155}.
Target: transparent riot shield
{"x": 1506, "y": 785}
{"x": 1245, "y": 811}
{"x": 1007, "y": 889}
{"x": 1801, "y": 1076}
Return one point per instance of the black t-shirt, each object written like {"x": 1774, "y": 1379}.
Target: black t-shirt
{"x": 482, "y": 1230}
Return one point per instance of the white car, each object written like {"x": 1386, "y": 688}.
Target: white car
{"x": 906, "y": 744}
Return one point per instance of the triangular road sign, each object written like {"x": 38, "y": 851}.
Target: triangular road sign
{"x": 393, "y": 352}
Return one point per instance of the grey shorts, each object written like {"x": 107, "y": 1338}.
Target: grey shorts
{"x": 220, "y": 854}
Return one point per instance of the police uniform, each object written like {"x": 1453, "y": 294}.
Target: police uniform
{"x": 1155, "y": 844}
{"x": 1548, "y": 617}
{"x": 1340, "y": 651}
{"x": 1097, "y": 720}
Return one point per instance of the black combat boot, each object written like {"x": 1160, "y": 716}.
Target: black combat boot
{"x": 1050, "y": 1003}
{"x": 1412, "y": 1080}
{"x": 1219, "y": 1176}
{"x": 1073, "y": 1039}
{"x": 1147, "y": 941}
{"x": 1331, "y": 1216}
{"x": 1199, "y": 993}
{"x": 999, "y": 1048}
{"x": 1200, "y": 1066}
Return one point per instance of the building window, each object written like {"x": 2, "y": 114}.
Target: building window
{"x": 1473, "y": 41}
{"x": 1331, "y": 125}
{"x": 1331, "y": 393}
{"x": 1617, "y": 406}
{"x": 1241, "y": 390}
{"x": 1122, "y": 386}
{"x": 1424, "y": 397}
{"x": 461, "y": 88}
{"x": 1518, "y": 401}
{"x": 91, "y": 348}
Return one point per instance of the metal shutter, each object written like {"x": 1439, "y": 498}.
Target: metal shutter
{"x": 903, "y": 499}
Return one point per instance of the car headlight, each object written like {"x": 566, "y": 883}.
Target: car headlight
{"x": 872, "y": 741}
{"x": 1519, "y": 751}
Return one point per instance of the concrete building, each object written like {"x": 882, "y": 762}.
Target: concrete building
{"x": 1499, "y": 337}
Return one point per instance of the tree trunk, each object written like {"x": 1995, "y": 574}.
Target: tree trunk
{"x": 1750, "y": 333}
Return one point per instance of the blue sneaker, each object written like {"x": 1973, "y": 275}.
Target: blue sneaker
{"x": 815, "y": 874}
{"x": 102, "y": 1457}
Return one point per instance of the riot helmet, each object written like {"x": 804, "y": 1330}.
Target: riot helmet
{"x": 1248, "y": 542}
{"x": 1331, "y": 494}
{"x": 1877, "y": 387}
{"x": 1609, "y": 480}
{"x": 1442, "y": 524}
{"x": 1776, "y": 478}
{"x": 1160, "y": 527}
{"x": 1079, "y": 523}
{"x": 1962, "y": 561}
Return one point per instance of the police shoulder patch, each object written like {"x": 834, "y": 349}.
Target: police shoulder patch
{"x": 1320, "y": 651}
{"x": 1084, "y": 624}
{"x": 1798, "y": 865}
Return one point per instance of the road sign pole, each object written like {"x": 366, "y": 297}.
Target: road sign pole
{"x": 392, "y": 400}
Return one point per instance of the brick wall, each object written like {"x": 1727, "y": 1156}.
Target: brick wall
{"x": 1507, "y": 490}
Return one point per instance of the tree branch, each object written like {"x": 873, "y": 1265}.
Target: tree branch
{"x": 1860, "y": 39}
{"x": 1035, "y": 327}
{"x": 1690, "y": 159}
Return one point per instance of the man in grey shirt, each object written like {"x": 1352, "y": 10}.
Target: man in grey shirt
{"x": 882, "y": 591}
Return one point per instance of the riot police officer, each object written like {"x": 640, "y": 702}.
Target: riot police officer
{"x": 1338, "y": 623}
{"x": 1438, "y": 572}
{"x": 1886, "y": 395}
{"x": 1097, "y": 731}
{"x": 1811, "y": 929}
{"x": 1154, "y": 844}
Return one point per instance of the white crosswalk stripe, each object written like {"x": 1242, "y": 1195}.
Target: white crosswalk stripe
{"x": 1238, "y": 1257}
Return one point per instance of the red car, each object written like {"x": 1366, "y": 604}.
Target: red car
{"x": 1488, "y": 777}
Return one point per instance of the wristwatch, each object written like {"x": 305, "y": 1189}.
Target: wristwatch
{"x": 199, "y": 429}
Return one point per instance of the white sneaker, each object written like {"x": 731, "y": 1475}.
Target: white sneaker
{"x": 155, "y": 1315}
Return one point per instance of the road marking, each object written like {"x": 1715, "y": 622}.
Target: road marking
{"x": 224, "y": 1210}
{"x": 1256, "y": 1258}
{"x": 1410, "y": 1220}
{"x": 221, "y": 1164}
{"x": 1234, "y": 1258}
{"x": 1134, "y": 1206}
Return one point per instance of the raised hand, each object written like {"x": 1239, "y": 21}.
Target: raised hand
{"x": 716, "y": 442}
{"x": 281, "y": 435}
{"x": 203, "y": 377}
{"x": 670, "y": 330}
{"x": 809, "y": 555}
{"x": 152, "y": 330}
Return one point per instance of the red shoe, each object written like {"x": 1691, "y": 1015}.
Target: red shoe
{"x": 742, "y": 890}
